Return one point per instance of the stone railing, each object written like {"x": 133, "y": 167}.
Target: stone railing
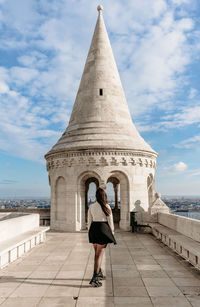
{"x": 14, "y": 224}
{"x": 20, "y": 232}
{"x": 184, "y": 225}
{"x": 44, "y": 213}
{"x": 181, "y": 234}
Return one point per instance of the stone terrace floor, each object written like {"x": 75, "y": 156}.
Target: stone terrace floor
{"x": 140, "y": 271}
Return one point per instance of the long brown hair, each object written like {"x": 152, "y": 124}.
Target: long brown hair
{"x": 101, "y": 197}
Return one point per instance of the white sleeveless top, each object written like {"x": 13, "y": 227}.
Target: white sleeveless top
{"x": 96, "y": 214}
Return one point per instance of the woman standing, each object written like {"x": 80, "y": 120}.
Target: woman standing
{"x": 101, "y": 232}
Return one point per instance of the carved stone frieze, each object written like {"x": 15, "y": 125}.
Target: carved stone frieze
{"x": 100, "y": 152}
{"x": 99, "y": 159}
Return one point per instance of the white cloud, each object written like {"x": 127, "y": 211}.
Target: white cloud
{"x": 156, "y": 61}
{"x": 185, "y": 24}
{"x": 195, "y": 172}
{"x": 187, "y": 116}
{"x": 34, "y": 59}
{"x": 24, "y": 141}
{"x": 179, "y": 2}
{"x": 180, "y": 167}
{"x": 152, "y": 50}
{"x": 22, "y": 17}
{"x": 3, "y": 87}
{"x": 189, "y": 143}
{"x": 22, "y": 75}
{"x": 24, "y": 127}
{"x": 193, "y": 92}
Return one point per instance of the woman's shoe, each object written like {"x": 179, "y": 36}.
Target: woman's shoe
{"x": 94, "y": 282}
{"x": 100, "y": 275}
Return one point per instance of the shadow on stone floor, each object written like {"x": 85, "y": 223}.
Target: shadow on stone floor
{"x": 12, "y": 279}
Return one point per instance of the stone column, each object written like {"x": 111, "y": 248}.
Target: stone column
{"x": 116, "y": 211}
{"x": 115, "y": 187}
{"x": 86, "y": 200}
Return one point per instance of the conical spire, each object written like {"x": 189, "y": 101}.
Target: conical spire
{"x": 100, "y": 116}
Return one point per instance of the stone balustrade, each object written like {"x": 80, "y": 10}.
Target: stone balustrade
{"x": 181, "y": 234}
{"x": 19, "y": 233}
{"x": 44, "y": 213}
{"x": 184, "y": 225}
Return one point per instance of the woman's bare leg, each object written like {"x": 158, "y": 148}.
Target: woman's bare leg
{"x": 95, "y": 247}
{"x": 95, "y": 250}
{"x": 99, "y": 251}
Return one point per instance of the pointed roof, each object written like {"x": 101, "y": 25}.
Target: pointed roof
{"x": 100, "y": 117}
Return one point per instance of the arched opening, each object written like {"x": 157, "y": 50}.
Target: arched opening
{"x": 123, "y": 196}
{"x": 88, "y": 182}
{"x": 91, "y": 198}
{"x": 113, "y": 192}
{"x": 91, "y": 185}
{"x": 124, "y": 190}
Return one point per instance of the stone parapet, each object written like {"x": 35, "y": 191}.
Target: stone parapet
{"x": 184, "y": 225}
{"x": 13, "y": 224}
{"x": 19, "y": 234}
{"x": 181, "y": 234}
{"x": 44, "y": 213}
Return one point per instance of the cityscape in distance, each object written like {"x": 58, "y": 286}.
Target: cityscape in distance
{"x": 28, "y": 203}
{"x": 175, "y": 203}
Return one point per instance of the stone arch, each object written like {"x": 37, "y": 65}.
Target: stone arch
{"x": 60, "y": 196}
{"x": 84, "y": 179}
{"x": 123, "y": 179}
{"x": 150, "y": 189}
{"x": 87, "y": 184}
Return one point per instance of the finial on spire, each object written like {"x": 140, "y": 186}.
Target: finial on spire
{"x": 99, "y": 8}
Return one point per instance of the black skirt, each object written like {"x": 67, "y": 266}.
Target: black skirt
{"x": 100, "y": 233}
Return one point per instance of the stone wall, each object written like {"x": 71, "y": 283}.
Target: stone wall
{"x": 44, "y": 213}
{"x": 14, "y": 224}
{"x": 68, "y": 173}
{"x": 20, "y": 232}
{"x": 184, "y": 225}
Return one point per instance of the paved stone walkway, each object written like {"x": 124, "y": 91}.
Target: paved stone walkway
{"x": 140, "y": 271}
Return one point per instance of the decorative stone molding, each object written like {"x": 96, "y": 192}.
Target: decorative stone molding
{"x": 159, "y": 205}
{"x": 99, "y": 158}
{"x": 99, "y": 152}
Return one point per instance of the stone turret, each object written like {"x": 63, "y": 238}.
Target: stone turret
{"x": 100, "y": 116}
{"x": 101, "y": 144}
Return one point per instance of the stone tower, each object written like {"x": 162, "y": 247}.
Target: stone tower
{"x": 100, "y": 145}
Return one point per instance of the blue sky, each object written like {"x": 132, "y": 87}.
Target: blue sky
{"x": 43, "y": 48}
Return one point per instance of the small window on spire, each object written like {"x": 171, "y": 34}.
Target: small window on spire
{"x": 101, "y": 92}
